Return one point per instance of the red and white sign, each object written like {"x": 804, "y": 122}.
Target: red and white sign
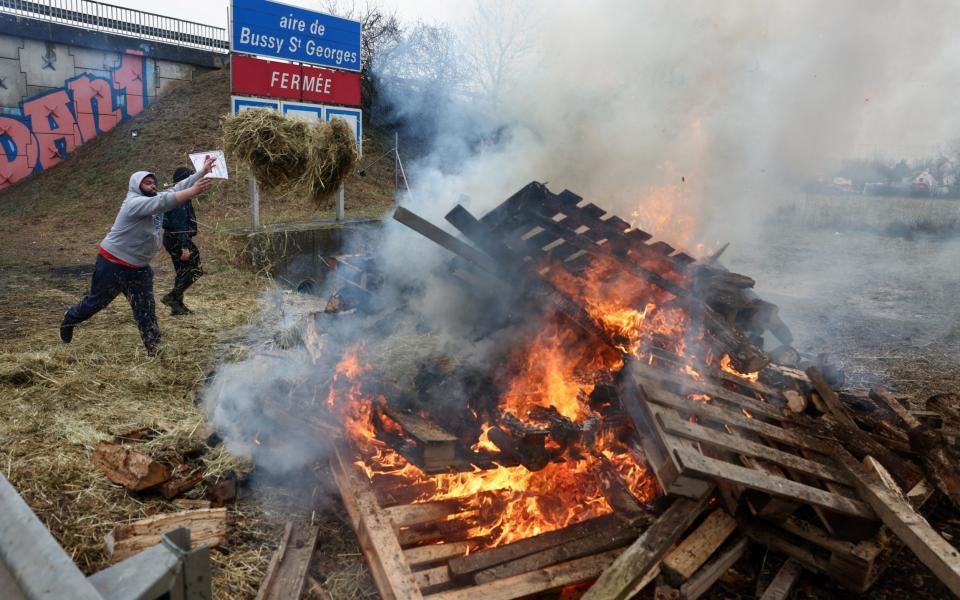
{"x": 258, "y": 77}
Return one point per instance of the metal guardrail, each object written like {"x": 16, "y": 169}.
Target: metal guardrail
{"x": 99, "y": 16}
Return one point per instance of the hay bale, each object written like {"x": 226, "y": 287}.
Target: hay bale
{"x": 333, "y": 155}
{"x": 290, "y": 155}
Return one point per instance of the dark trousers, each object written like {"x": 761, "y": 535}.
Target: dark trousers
{"x": 111, "y": 280}
{"x": 188, "y": 270}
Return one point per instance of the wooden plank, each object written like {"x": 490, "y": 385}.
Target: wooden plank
{"x": 738, "y": 419}
{"x": 444, "y": 239}
{"x": 704, "y": 579}
{"x": 432, "y": 577}
{"x": 614, "y": 536}
{"x": 781, "y": 585}
{"x": 448, "y": 530}
{"x": 830, "y": 398}
{"x": 653, "y": 440}
{"x": 419, "y": 428}
{"x": 467, "y": 565}
{"x": 709, "y": 467}
{"x": 374, "y": 532}
{"x": 207, "y": 526}
{"x": 432, "y": 447}
{"x": 908, "y": 525}
{"x": 424, "y": 555}
{"x": 642, "y": 371}
{"x": 699, "y": 546}
{"x": 286, "y": 575}
{"x": 541, "y": 580}
{"x": 405, "y": 515}
{"x": 678, "y": 426}
{"x": 644, "y": 555}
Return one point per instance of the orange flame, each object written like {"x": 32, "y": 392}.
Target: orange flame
{"x": 727, "y": 365}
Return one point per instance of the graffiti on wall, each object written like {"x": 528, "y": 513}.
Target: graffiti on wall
{"x": 55, "y": 122}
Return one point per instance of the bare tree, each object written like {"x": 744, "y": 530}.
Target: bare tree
{"x": 379, "y": 31}
{"x": 496, "y": 39}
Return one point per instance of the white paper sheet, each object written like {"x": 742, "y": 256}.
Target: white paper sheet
{"x": 219, "y": 167}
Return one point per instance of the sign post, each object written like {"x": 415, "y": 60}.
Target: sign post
{"x": 299, "y": 62}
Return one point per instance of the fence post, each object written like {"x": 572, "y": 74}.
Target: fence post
{"x": 340, "y": 203}
{"x": 254, "y": 204}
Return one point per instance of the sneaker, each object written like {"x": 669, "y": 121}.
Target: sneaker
{"x": 66, "y": 333}
{"x": 169, "y": 301}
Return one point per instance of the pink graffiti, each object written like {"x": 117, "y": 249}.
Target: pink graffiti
{"x": 24, "y": 151}
{"x": 129, "y": 78}
{"x": 52, "y": 122}
{"x": 55, "y": 123}
{"x": 85, "y": 90}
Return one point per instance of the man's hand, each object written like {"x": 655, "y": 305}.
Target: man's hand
{"x": 200, "y": 186}
{"x": 185, "y": 254}
{"x": 207, "y": 164}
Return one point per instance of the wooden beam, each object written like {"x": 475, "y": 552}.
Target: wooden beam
{"x": 466, "y": 566}
{"x": 644, "y": 555}
{"x": 884, "y": 398}
{"x": 609, "y": 538}
{"x": 287, "y": 573}
{"x": 423, "y": 555}
{"x": 897, "y": 514}
{"x": 678, "y": 426}
{"x": 645, "y": 374}
{"x": 374, "y": 532}
{"x": 830, "y": 398}
{"x": 738, "y": 419}
{"x": 704, "y": 579}
{"x": 699, "y": 546}
{"x": 549, "y": 578}
{"x": 405, "y": 515}
{"x": 781, "y": 585}
{"x": 703, "y": 466}
{"x": 444, "y": 239}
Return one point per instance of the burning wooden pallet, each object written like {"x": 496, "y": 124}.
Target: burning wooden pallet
{"x": 423, "y": 550}
{"x": 785, "y": 476}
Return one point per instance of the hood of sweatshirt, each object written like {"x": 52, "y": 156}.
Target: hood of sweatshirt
{"x": 135, "y": 180}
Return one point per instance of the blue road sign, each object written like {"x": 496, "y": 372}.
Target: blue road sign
{"x": 277, "y": 30}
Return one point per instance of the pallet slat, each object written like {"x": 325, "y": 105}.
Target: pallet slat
{"x": 710, "y": 467}
{"x": 375, "y": 533}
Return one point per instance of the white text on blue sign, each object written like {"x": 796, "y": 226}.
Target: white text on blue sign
{"x": 279, "y": 31}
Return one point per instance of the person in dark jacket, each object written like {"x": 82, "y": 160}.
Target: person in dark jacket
{"x": 124, "y": 255}
{"x": 179, "y": 227}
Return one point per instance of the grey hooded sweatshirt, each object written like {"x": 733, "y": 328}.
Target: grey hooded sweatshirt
{"x": 135, "y": 235}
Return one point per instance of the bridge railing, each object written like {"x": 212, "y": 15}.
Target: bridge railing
{"x": 99, "y": 16}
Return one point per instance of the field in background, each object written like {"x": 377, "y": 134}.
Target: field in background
{"x": 899, "y": 216}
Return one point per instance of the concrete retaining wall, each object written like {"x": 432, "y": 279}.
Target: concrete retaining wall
{"x": 61, "y": 86}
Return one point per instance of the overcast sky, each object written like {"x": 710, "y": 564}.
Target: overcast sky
{"x": 214, "y": 12}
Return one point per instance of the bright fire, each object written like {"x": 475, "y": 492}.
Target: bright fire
{"x": 727, "y": 365}
{"x": 553, "y": 375}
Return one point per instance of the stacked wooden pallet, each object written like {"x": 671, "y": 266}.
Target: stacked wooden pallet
{"x": 790, "y": 464}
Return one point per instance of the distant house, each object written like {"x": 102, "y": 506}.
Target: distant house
{"x": 925, "y": 179}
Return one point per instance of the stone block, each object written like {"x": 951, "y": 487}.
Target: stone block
{"x": 45, "y": 63}
{"x": 13, "y": 83}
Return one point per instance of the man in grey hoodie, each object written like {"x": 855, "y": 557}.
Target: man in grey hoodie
{"x": 123, "y": 259}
